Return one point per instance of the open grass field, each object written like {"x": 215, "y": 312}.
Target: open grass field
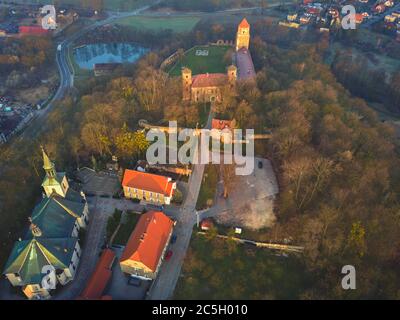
{"x": 219, "y": 269}
{"x": 214, "y": 62}
{"x": 208, "y": 187}
{"x": 176, "y": 24}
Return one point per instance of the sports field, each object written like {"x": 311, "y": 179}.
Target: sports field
{"x": 203, "y": 59}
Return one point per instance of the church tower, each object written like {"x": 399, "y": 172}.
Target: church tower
{"x": 186, "y": 83}
{"x": 54, "y": 182}
{"x": 243, "y": 35}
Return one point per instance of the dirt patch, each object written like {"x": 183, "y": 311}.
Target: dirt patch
{"x": 251, "y": 203}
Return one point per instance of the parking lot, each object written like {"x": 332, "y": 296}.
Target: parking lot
{"x": 98, "y": 183}
{"x": 119, "y": 288}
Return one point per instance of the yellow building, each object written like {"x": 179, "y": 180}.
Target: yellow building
{"x": 148, "y": 187}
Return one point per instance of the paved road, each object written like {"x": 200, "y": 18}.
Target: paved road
{"x": 164, "y": 286}
{"x": 95, "y": 238}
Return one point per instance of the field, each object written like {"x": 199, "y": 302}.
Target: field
{"x": 208, "y": 187}
{"x": 214, "y": 62}
{"x": 221, "y": 269}
{"x": 176, "y": 24}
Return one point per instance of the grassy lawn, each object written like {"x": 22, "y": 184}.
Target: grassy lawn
{"x": 176, "y": 24}
{"x": 208, "y": 186}
{"x": 213, "y": 63}
{"x": 220, "y": 269}
{"x": 126, "y": 229}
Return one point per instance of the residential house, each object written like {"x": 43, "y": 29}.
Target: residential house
{"x": 148, "y": 187}
{"x": 146, "y": 247}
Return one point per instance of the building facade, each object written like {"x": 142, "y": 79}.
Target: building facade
{"x": 148, "y": 187}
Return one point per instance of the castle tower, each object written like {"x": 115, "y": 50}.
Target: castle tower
{"x": 232, "y": 75}
{"x": 243, "y": 35}
{"x": 53, "y": 182}
{"x": 186, "y": 83}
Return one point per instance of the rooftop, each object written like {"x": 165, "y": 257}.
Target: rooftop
{"x": 148, "y": 181}
{"x": 100, "y": 277}
{"x": 209, "y": 80}
{"x": 148, "y": 239}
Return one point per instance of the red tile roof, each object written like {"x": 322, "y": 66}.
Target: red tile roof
{"x": 244, "y": 24}
{"x": 148, "y": 181}
{"x": 209, "y": 80}
{"x": 206, "y": 224}
{"x": 148, "y": 240}
{"x": 32, "y": 30}
{"x": 221, "y": 124}
{"x": 100, "y": 277}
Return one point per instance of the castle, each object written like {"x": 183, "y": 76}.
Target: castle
{"x": 208, "y": 87}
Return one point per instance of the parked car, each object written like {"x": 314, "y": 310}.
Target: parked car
{"x": 168, "y": 255}
{"x": 133, "y": 281}
{"x": 173, "y": 238}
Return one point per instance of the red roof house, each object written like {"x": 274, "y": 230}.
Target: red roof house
{"x": 100, "y": 278}
{"x": 32, "y": 30}
{"x": 147, "y": 186}
{"x": 221, "y": 124}
{"x": 206, "y": 224}
{"x": 146, "y": 245}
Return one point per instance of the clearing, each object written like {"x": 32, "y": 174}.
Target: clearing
{"x": 198, "y": 61}
{"x": 219, "y": 269}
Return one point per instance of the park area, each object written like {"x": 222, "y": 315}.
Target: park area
{"x": 175, "y": 24}
{"x": 203, "y": 59}
{"x": 222, "y": 269}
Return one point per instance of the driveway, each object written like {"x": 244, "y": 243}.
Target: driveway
{"x": 164, "y": 285}
{"x": 119, "y": 288}
{"x": 95, "y": 238}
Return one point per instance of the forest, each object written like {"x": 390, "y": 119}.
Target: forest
{"x": 337, "y": 164}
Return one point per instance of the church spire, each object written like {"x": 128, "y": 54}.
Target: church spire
{"x": 48, "y": 166}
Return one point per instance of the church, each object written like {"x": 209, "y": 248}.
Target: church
{"x": 208, "y": 87}
{"x": 52, "y": 238}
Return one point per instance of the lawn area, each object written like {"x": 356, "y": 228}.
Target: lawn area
{"x": 126, "y": 229}
{"x": 221, "y": 269}
{"x": 213, "y": 63}
{"x": 208, "y": 186}
{"x": 176, "y": 24}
